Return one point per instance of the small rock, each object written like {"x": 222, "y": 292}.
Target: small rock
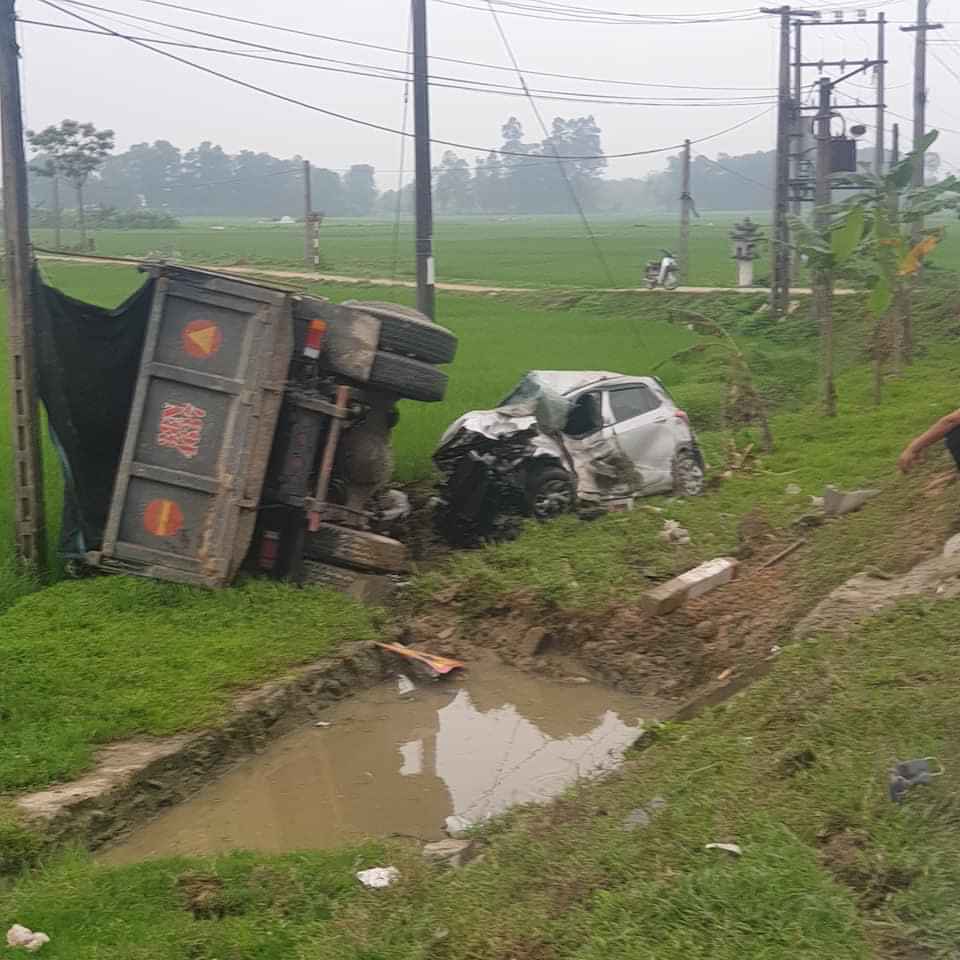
{"x": 446, "y": 633}
{"x": 451, "y": 853}
{"x": 705, "y": 629}
{"x": 726, "y": 675}
{"x": 837, "y": 503}
{"x": 672, "y": 532}
{"x": 457, "y": 826}
{"x": 793, "y": 490}
{"x": 816, "y": 503}
{"x": 20, "y": 936}
{"x": 378, "y": 877}
{"x": 576, "y": 680}
{"x": 952, "y": 547}
{"x": 323, "y": 723}
{"x": 535, "y": 641}
{"x": 642, "y": 816}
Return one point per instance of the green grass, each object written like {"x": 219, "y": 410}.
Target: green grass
{"x": 830, "y": 868}
{"x": 540, "y": 252}
{"x": 512, "y": 252}
{"x": 90, "y": 661}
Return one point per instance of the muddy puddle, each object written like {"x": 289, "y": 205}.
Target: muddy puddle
{"x": 469, "y": 746}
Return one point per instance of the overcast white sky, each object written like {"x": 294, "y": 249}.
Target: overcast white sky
{"x": 144, "y": 96}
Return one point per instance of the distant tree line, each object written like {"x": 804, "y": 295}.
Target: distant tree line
{"x": 523, "y": 177}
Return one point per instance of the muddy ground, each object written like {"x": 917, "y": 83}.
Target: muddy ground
{"x": 710, "y": 643}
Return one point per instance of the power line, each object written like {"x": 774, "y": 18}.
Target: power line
{"x": 549, "y": 140}
{"x": 468, "y": 86}
{"x": 370, "y": 124}
{"x": 381, "y": 48}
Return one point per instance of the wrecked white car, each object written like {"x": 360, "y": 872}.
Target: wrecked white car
{"x": 562, "y": 438}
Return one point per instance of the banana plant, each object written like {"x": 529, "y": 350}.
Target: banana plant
{"x": 875, "y": 231}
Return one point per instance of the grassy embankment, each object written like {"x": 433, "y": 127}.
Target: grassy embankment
{"x": 568, "y": 882}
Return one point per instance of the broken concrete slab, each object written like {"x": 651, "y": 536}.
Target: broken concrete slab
{"x": 864, "y": 595}
{"x": 838, "y": 503}
{"x": 694, "y": 583}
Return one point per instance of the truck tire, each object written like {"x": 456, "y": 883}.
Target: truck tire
{"x": 412, "y": 379}
{"x": 408, "y": 332}
{"x": 357, "y": 549}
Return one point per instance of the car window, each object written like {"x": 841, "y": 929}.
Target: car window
{"x": 631, "y": 402}
{"x": 586, "y": 415}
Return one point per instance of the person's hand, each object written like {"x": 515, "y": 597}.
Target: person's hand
{"x": 908, "y": 458}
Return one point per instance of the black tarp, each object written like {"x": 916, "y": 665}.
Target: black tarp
{"x": 87, "y": 359}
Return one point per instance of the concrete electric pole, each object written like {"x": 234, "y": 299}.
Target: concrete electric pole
{"x": 307, "y": 216}
{"x": 823, "y": 280}
{"x": 686, "y": 202}
{"x": 426, "y": 278}
{"x": 921, "y": 28}
{"x": 30, "y": 525}
{"x": 879, "y": 160}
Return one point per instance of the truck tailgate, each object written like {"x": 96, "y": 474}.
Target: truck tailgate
{"x": 214, "y": 366}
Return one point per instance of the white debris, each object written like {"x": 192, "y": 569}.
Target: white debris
{"x": 394, "y": 505}
{"x": 794, "y": 490}
{"x": 19, "y": 936}
{"x": 323, "y": 723}
{"x": 405, "y": 686}
{"x": 672, "y": 532}
{"x": 378, "y": 877}
{"x": 457, "y": 826}
{"x": 733, "y": 848}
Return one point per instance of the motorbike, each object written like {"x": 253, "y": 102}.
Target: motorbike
{"x": 664, "y": 272}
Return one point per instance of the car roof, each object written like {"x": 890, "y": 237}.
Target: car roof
{"x": 569, "y": 381}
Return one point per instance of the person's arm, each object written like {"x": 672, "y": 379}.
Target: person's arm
{"x": 938, "y": 431}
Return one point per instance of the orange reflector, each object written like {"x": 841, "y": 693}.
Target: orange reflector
{"x": 315, "y": 335}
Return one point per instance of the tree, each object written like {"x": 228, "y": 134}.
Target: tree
{"x": 46, "y": 167}
{"x": 453, "y": 187}
{"x": 76, "y": 150}
{"x": 360, "y": 186}
{"x": 872, "y": 235}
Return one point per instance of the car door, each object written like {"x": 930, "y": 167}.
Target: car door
{"x": 642, "y": 428}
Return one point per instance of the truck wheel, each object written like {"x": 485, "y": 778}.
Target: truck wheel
{"x": 550, "y": 492}
{"x": 358, "y": 549}
{"x": 408, "y": 332}
{"x": 408, "y": 378}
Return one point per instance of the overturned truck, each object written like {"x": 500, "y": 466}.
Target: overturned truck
{"x": 212, "y": 424}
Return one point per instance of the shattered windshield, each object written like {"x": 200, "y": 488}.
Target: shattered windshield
{"x": 525, "y": 390}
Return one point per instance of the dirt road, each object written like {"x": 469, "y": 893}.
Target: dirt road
{"x": 449, "y": 287}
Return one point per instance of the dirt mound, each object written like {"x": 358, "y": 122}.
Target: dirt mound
{"x": 705, "y": 644}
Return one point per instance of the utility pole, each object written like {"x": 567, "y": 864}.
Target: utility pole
{"x": 786, "y": 109}
{"x": 895, "y": 146}
{"x": 686, "y": 201}
{"x": 307, "y": 215}
{"x": 30, "y": 526}
{"x": 780, "y": 249}
{"x": 823, "y": 279}
{"x": 879, "y": 161}
{"x": 798, "y": 143}
{"x": 921, "y": 28}
{"x": 426, "y": 278}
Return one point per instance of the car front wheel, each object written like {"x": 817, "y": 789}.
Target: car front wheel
{"x": 550, "y": 492}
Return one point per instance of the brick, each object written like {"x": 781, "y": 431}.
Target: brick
{"x": 675, "y": 593}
